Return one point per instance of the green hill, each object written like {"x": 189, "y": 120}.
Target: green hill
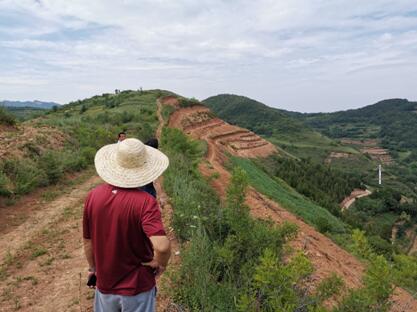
{"x": 281, "y": 127}
{"x": 393, "y": 122}
{"x": 390, "y": 123}
{"x": 43, "y": 150}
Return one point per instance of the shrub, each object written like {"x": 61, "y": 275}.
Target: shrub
{"x": 6, "y": 118}
{"x": 4, "y": 181}
{"x": 74, "y": 161}
{"x": 88, "y": 153}
{"x": 405, "y": 271}
{"x": 377, "y": 290}
{"x": 185, "y": 102}
{"x": 274, "y": 285}
{"x": 51, "y": 163}
{"x": 83, "y": 109}
{"x": 24, "y": 174}
{"x": 323, "y": 225}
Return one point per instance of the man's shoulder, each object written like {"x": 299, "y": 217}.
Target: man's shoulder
{"x": 100, "y": 188}
{"x": 99, "y": 191}
{"x": 141, "y": 194}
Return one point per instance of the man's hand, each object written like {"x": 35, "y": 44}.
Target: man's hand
{"x": 91, "y": 279}
{"x": 154, "y": 264}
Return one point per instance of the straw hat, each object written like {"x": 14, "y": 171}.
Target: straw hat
{"x": 130, "y": 163}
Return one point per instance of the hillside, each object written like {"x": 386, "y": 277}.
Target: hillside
{"x": 390, "y": 121}
{"x": 279, "y": 126}
{"x": 235, "y": 219}
{"x": 354, "y": 140}
{"x": 267, "y": 198}
{"x": 327, "y": 164}
{"x": 385, "y": 131}
{"x": 32, "y": 104}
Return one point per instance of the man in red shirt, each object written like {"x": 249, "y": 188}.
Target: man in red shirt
{"x": 124, "y": 240}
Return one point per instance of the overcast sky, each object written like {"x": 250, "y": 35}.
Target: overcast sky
{"x": 301, "y": 55}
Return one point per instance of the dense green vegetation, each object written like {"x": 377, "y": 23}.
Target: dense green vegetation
{"x": 6, "y": 118}
{"x": 393, "y": 121}
{"x": 278, "y": 190}
{"x": 279, "y": 126}
{"x": 378, "y": 214}
{"x": 26, "y": 113}
{"x": 231, "y": 262}
{"x": 326, "y": 186}
{"x": 88, "y": 124}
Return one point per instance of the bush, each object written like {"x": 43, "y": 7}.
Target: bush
{"x": 377, "y": 290}
{"x": 274, "y": 285}
{"x": 25, "y": 175}
{"x": 405, "y": 271}
{"x": 6, "y": 118}
{"x": 323, "y": 225}
{"x": 51, "y": 163}
{"x": 4, "y": 181}
{"x": 185, "y": 102}
{"x": 74, "y": 161}
{"x": 83, "y": 109}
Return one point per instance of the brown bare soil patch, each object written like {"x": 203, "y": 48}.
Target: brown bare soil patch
{"x": 369, "y": 142}
{"x": 379, "y": 154}
{"x": 15, "y": 142}
{"x": 336, "y": 155}
{"x": 170, "y": 100}
{"x": 198, "y": 122}
{"x": 14, "y": 215}
{"x": 43, "y": 266}
{"x": 325, "y": 255}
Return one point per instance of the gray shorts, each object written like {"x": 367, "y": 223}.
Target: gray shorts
{"x": 143, "y": 302}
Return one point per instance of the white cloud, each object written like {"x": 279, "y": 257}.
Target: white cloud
{"x": 209, "y": 46}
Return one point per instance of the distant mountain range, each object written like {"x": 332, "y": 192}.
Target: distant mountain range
{"x": 35, "y": 104}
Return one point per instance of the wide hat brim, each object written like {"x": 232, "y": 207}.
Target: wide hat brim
{"x": 111, "y": 172}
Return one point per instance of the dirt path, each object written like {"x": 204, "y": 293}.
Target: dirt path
{"x": 164, "y": 302}
{"x": 43, "y": 262}
{"x": 356, "y": 193}
{"x": 325, "y": 255}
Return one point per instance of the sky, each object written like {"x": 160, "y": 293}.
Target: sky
{"x": 299, "y": 55}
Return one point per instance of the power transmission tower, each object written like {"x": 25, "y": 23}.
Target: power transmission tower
{"x": 379, "y": 174}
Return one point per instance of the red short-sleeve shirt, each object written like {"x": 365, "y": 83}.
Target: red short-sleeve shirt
{"x": 119, "y": 222}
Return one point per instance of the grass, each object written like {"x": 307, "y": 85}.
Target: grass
{"x": 282, "y": 193}
{"x": 38, "y": 251}
{"x": 167, "y": 110}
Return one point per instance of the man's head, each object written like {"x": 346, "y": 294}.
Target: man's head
{"x": 122, "y": 136}
{"x": 130, "y": 164}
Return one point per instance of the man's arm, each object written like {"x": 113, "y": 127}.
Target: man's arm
{"x": 88, "y": 251}
{"x": 162, "y": 249}
{"x": 162, "y": 253}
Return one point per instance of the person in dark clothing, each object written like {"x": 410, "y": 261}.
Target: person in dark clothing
{"x": 150, "y": 188}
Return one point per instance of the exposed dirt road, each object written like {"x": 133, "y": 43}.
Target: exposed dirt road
{"x": 43, "y": 266}
{"x": 356, "y": 193}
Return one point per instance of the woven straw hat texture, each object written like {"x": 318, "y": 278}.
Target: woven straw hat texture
{"x": 130, "y": 163}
